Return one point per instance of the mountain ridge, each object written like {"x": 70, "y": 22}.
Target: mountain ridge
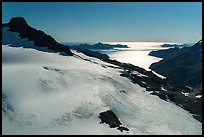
{"x": 184, "y": 67}
{"x": 40, "y": 38}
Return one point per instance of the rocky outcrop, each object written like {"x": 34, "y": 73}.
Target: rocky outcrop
{"x": 121, "y": 128}
{"x": 110, "y": 118}
{"x": 41, "y": 39}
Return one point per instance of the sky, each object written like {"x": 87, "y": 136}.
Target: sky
{"x": 179, "y": 22}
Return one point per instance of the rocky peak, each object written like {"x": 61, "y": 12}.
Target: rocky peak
{"x": 17, "y": 21}
{"x": 17, "y": 24}
{"x": 40, "y": 38}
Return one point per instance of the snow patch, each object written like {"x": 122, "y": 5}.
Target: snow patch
{"x": 162, "y": 88}
{"x": 185, "y": 94}
{"x": 138, "y": 74}
{"x": 198, "y": 96}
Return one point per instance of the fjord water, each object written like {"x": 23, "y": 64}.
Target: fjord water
{"x": 137, "y": 53}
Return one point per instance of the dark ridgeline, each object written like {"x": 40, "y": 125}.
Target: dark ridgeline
{"x": 98, "y": 45}
{"x": 167, "y": 53}
{"x": 175, "y": 45}
{"x": 184, "y": 66}
{"x": 41, "y": 39}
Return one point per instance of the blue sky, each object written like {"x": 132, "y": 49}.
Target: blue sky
{"x": 112, "y": 21}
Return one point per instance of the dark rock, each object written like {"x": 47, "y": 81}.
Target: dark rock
{"x": 171, "y": 97}
{"x": 17, "y": 24}
{"x": 121, "y": 128}
{"x": 109, "y": 118}
{"x": 122, "y": 91}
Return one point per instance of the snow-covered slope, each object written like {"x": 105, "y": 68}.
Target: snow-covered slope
{"x": 46, "y": 93}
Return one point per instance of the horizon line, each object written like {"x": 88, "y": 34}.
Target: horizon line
{"x": 126, "y": 42}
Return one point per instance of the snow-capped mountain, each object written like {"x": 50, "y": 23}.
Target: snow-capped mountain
{"x": 47, "y": 93}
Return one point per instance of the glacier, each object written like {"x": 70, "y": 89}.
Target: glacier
{"x": 46, "y": 93}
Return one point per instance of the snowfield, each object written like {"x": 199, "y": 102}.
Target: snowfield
{"x": 47, "y": 93}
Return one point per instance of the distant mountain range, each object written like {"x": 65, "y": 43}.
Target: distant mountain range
{"x": 184, "y": 65}
{"x": 98, "y": 45}
{"x": 176, "y": 45}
